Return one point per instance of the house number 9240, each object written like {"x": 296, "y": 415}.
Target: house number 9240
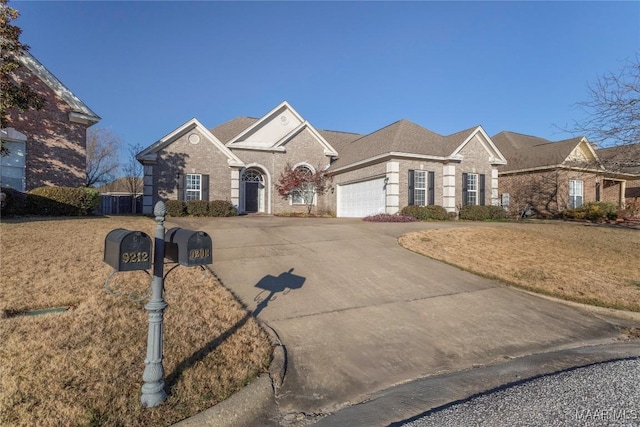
{"x": 128, "y": 257}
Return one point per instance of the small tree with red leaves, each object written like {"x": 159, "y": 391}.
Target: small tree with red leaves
{"x": 302, "y": 184}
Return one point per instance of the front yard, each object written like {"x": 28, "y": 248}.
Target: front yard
{"x": 592, "y": 264}
{"x": 84, "y": 366}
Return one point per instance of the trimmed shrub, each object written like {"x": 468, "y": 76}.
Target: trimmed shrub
{"x": 483, "y": 213}
{"x": 593, "y": 211}
{"x": 475, "y": 213}
{"x": 497, "y": 213}
{"x": 222, "y": 208}
{"x": 176, "y": 208}
{"x": 426, "y": 213}
{"x": 197, "y": 207}
{"x": 389, "y": 218}
{"x": 62, "y": 201}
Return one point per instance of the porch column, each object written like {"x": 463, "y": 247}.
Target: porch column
{"x": 147, "y": 192}
{"x": 235, "y": 188}
{"x": 449, "y": 187}
{"x": 393, "y": 188}
{"x": 623, "y": 190}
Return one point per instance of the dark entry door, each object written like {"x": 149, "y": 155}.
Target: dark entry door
{"x": 251, "y": 196}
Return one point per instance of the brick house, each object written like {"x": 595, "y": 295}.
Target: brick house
{"x": 46, "y": 147}
{"x": 624, "y": 159}
{"x": 398, "y": 165}
{"x": 547, "y": 177}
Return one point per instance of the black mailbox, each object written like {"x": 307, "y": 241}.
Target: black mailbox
{"x": 127, "y": 250}
{"x": 188, "y": 247}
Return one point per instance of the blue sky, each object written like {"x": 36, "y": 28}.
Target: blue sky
{"x": 148, "y": 67}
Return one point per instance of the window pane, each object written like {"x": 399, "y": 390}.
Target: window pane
{"x": 419, "y": 188}
{"x": 472, "y": 182}
{"x": 472, "y": 189}
{"x": 193, "y": 186}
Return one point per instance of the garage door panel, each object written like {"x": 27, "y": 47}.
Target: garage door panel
{"x": 361, "y": 199}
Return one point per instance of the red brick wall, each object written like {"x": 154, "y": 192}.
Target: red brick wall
{"x": 56, "y": 147}
{"x": 546, "y": 192}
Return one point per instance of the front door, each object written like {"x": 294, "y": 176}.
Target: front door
{"x": 251, "y": 196}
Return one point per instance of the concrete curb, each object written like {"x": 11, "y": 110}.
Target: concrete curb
{"x": 407, "y": 401}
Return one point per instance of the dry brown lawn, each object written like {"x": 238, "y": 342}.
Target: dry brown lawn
{"x": 591, "y": 264}
{"x": 84, "y": 366}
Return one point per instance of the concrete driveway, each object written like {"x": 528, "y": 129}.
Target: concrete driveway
{"x": 358, "y": 314}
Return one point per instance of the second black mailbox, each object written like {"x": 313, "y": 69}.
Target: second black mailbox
{"x": 188, "y": 247}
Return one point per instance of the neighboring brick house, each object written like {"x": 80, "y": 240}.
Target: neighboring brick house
{"x": 546, "y": 178}
{"x": 398, "y": 165}
{"x": 624, "y": 159}
{"x": 48, "y": 146}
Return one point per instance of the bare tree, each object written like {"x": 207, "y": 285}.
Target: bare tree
{"x": 13, "y": 92}
{"x": 133, "y": 172}
{"x": 613, "y": 107}
{"x": 103, "y": 147}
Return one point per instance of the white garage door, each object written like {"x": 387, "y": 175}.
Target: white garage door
{"x": 361, "y": 199}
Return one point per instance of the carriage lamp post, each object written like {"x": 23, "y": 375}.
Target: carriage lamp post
{"x": 153, "y": 393}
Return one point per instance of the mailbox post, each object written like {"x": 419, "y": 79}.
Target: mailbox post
{"x": 127, "y": 250}
{"x": 153, "y": 392}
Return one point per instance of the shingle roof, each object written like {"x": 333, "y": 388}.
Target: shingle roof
{"x": 624, "y": 158}
{"x": 226, "y": 131}
{"x": 529, "y": 152}
{"x": 339, "y": 139}
{"x": 402, "y": 136}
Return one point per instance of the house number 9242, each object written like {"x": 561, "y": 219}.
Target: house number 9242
{"x": 128, "y": 257}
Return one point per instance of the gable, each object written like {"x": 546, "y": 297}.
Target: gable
{"x": 150, "y": 154}
{"x": 270, "y": 129}
{"x": 479, "y": 140}
{"x": 275, "y": 129}
{"x": 582, "y": 153}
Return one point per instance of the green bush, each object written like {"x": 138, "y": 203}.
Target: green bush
{"x": 222, "y": 208}
{"x": 197, "y": 207}
{"x": 593, "y": 211}
{"x": 497, "y": 213}
{"x": 176, "y": 208}
{"x": 425, "y": 213}
{"x": 474, "y": 213}
{"x": 62, "y": 201}
{"x": 482, "y": 213}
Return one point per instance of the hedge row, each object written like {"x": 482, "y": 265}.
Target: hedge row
{"x": 217, "y": 208}
{"x": 50, "y": 201}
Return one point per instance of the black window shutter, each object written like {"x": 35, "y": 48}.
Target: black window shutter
{"x": 182, "y": 182}
{"x": 411, "y": 187}
{"x": 464, "y": 189}
{"x": 205, "y": 187}
{"x": 482, "y": 190}
{"x": 432, "y": 189}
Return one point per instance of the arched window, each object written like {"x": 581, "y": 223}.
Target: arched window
{"x": 305, "y": 193}
{"x": 251, "y": 175}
